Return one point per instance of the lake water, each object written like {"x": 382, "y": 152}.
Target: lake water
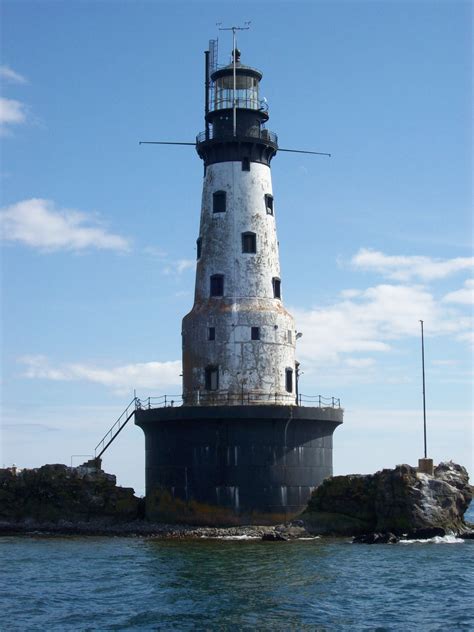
{"x": 100, "y": 583}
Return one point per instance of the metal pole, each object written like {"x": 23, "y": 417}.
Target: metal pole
{"x": 206, "y": 106}
{"x": 297, "y": 375}
{"x": 234, "y": 72}
{"x": 424, "y": 391}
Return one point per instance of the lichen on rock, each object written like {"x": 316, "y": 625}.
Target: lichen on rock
{"x": 392, "y": 500}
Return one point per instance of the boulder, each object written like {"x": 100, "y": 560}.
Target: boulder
{"x": 376, "y": 538}
{"x": 274, "y": 537}
{"x": 400, "y": 500}
{"x": 54, "y": 493}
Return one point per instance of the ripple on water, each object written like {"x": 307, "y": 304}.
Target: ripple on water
{"x": 138, "y": 584}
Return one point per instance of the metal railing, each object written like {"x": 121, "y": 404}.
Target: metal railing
{"x": 161, "y": 401}
{"x": 264, "y": 134}
{"x": 319, "y": 401}
{"x": 207, "y": 398}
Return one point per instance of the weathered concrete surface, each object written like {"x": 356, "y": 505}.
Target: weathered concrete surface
{"x": 52, "y": 493}
{"x": 398, "y": 501}
{"x": 244, "y": 365}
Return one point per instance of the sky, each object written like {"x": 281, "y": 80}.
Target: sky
{"x": 98, "y": 232}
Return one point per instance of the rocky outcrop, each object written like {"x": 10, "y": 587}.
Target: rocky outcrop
{"x": 54, "y": 493}
{"x": 391, "y": 501}
{"x": 380, "y": 508}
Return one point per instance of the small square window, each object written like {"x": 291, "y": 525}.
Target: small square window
{"x": 276, "y": 287}
{"x": 211, "y": 378}
{"x": 255, "y": 333}
{"x": 217, "y": 285}
{"x": 269, "y": 203}
{"x": 219, "y": 202}
{"x": 289, "y": 380}
{"x": 249, "y": 243}
{"x": 245, "y": 164}
{"x": 211, "y": 333}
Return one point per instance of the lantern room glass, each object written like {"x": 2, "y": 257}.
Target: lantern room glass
{"x": 246, "y": 93}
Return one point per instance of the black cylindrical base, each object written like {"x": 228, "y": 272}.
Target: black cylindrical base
{"x": 234, "y": 464}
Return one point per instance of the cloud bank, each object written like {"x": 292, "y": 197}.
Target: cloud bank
{"x": 405, "y": 268}
{"x": 8, "y": 74}
{"x": 37, "y": 223}
{"x": 12, "y": 112}
{"x": 157, "y": 376}
{"x": 370, "y": 320}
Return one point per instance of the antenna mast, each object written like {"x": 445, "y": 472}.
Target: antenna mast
{"x": 246, "y": 27}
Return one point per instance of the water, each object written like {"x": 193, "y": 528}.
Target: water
{"x": 79, "y": 583}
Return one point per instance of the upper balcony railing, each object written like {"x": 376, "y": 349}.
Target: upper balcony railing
{"x": 264, "y": 134}
{"x": 235, "y": 399}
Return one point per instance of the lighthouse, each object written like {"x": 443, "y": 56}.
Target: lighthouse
{"x": 238, "y": 340}
{"x": 241, "y": 446}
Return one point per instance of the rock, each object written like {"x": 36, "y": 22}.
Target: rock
{"x": 397, "y": 501}
{"x": 274, "y": 537}
{"x": 376, "y": 538}
{"x": 425, "y": 534}
{"x": 54, "y": 493}
{"x": 291, "y": 531}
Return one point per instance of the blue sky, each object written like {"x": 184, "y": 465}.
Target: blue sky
{"x": 99, "y": 232}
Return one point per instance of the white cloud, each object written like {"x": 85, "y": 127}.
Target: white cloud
{"x": 467, "y": 336}
{"x": 371, "y": 321}
{"x": 157, "y": 376}
{"x": 179, "y": 266}
{"x": 39, "y": 224}
{"x": 463, "y": 296}
{"x": 12, "y": 112}
{"x": 8, "y": 74}
{"x": 154, "y": 251}
{"x": 404, "y": 268}
{"x": 360, "y": 363}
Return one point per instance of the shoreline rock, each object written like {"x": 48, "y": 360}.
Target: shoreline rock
{"x": 398, "y": 501}
{"x": 378, "y": 508}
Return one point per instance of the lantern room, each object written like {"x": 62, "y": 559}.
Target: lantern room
{"x": 246, "y": 87}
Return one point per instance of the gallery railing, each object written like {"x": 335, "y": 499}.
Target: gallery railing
{"x": 200, "y": 398}
{"x": 264, "y": 134}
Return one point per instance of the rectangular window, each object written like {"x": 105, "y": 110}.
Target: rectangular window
{"x": 269, "y": 203}
{"x": 255, "y": 333}
{"x": 198, "y": 247}
{"x": 219, "y": 202}
{"x": 211, "y": 333}
{"x": 249, "y": 243}
{"x": 217, "y": 285}
{"x": 276, "y": 287}
{"x": 245, "y": 164}
{"x": 211, "y": 378}
{"x": 290, "y": 336}
{"x": 289, "y": 380}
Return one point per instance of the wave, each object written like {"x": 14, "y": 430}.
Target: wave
{"x": 445, "y": 539}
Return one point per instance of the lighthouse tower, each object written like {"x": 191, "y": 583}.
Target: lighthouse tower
{"x": 238, "y": 340}
{"x": 241, "y": 446}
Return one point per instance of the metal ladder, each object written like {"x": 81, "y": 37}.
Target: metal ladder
{"x": 118, "y": 426}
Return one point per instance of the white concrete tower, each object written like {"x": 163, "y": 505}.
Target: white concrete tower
{"x": 238, "y": 339}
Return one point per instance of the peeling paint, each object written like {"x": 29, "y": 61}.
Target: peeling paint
{"x": 250, "y": 371}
